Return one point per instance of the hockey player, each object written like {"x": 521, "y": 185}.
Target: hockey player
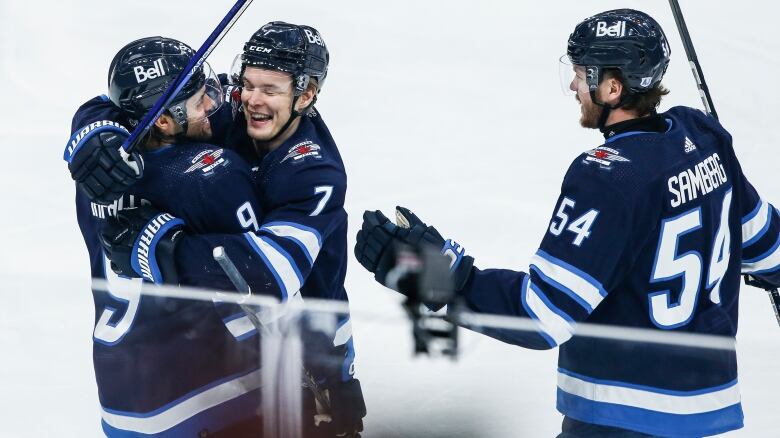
{"x": 652, "y": 230}
{"x": 165, "y": 367}
{"x": 297, "y": 247}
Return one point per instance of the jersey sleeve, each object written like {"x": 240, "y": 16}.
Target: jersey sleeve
{"x": 584, "y": 253}
{"x": 276, "y": 254}
{"x": 760, "y": 236}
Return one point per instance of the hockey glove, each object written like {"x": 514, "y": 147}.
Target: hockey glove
{"x": 100, "y": 166}
{"x": 380, "y": 243}
{"x": 140, "y": 242}
{"x": 345, "y": 414}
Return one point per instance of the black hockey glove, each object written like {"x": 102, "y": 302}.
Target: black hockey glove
{"x": 345, "y": 413}
{"x": 101, "y": 168}
{"x": 380, "y": 249}
{"x": 140, "y": 242}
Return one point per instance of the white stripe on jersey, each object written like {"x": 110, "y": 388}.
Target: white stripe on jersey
{"x": 680, "y": 404}
{"x": 752, "y": 227}
{"x": 185, "y": 409}
{"x": 549, "y": 321}
{"x": 572, "y": 281}
{"x": 280, "y": 264}
{"x": 767, "y": 263}
{"x": 343, "y": 333}
{"x": 306, "y": 239}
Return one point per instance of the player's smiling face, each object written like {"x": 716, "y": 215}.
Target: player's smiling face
{"x": 267, "y": 97}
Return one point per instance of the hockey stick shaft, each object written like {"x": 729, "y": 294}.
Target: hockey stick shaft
{"x": 227, "y": 265}
{"x": 195, "y": 62}
{"x": 693, "y": 60}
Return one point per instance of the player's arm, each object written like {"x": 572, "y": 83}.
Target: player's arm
{"x": 277, "y": 252}
{"x": 578, "y": 261}
{"x": 760, "y": 238}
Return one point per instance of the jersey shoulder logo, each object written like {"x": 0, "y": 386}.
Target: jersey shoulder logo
{"x": 302, "y": 151}
{"x": 604, "y": 157}
{"x": 208, "y": 161}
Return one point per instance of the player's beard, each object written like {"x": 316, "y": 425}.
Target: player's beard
{"x": 199, "y": 130}
{"x": 590, "y": 114}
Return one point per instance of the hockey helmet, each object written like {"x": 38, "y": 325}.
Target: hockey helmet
{"x": 624, "y": 39}
{"x": 142, "y": 70}
{"x": 295, "y": 49}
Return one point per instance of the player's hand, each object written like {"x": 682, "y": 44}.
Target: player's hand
{"x": 380, "y": 242}
{"x": 346, "y": 411}
{"x": 102, "y": 169}
{"x": 140, "y": 242}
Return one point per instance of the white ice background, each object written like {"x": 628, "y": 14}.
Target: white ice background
{"x": 451, "y": 108}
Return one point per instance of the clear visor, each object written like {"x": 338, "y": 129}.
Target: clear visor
{"x": 573, "y": 77}
{"x": 205, "y": 95}
{"x": 266, "y": 81}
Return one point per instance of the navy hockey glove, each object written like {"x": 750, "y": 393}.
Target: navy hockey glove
{"x": 99, "y": 165}
{"x": 140, "y": 242}
{"x": 380, "y": 242}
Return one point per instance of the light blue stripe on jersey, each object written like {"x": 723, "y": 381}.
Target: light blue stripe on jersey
{"x": 307, "y": 238}
{"x": 240, "y": 326}
{"x": 756, "y": 223}
{"x": 552, "y": 321}
{"x": 766, "y": 262}
{"x": 585, "y": 289}
{"x": 708, "y": 411}
{"x": 212, "y": 407}
{"x": 279, "y": 262}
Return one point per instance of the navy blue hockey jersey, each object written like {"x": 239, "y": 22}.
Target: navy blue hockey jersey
{"x": 171, "y": 367}
{"x": 298, "y": 248}
{"x": 651, "y": 230}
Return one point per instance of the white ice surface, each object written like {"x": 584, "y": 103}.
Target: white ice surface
{"x": 452, "y": 108}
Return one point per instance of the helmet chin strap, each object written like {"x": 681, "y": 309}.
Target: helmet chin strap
{"x": 606, "y": 108}
{"x": 293, "y": 115}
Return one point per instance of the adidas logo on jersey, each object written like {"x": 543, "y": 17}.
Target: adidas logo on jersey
{"x": 616, "y": 30}
{"x": 142, "y": 75}
{"x": 689, "y": 146}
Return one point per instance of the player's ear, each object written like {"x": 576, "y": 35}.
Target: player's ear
{"x": 614, "y": 90}
{"x": 307, "y": 97}
{"x": 166, "y": 125}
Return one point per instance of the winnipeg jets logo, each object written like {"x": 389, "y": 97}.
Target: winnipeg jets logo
{"x": 689, "y": 146}
{"x": 303, "y": 150}
{"x": 604, "y": 156}
{"x": 207, "y": 161}
{"x": 616, "y": 30}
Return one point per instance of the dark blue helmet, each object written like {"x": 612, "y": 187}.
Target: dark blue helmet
{"x": 624, "y": 39}
{"x": 295, "y": 49}
{"x": 142, "y": 70}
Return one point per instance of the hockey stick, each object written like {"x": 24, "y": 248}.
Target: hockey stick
{"x": 195, "y": 62}
{"x": 704, "y": 92}
{"x": 693, "y": 60}
{"x": 227, "y": 265}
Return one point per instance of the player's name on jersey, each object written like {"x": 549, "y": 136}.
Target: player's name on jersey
{"x": 697, "y": 180}
{"x": 125, "y": 202}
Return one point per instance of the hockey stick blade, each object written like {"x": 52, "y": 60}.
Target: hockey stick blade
{"x": 175, "y": 87}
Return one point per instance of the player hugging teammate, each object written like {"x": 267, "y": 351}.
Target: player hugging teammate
{"x": 269, "y": 187}
{"x": 651, "y": 230}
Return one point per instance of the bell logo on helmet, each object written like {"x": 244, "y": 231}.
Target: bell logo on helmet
{"x": 313, "y": 38}
{"x": 616, "y": 30}
{"x": 142, "y": 75}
